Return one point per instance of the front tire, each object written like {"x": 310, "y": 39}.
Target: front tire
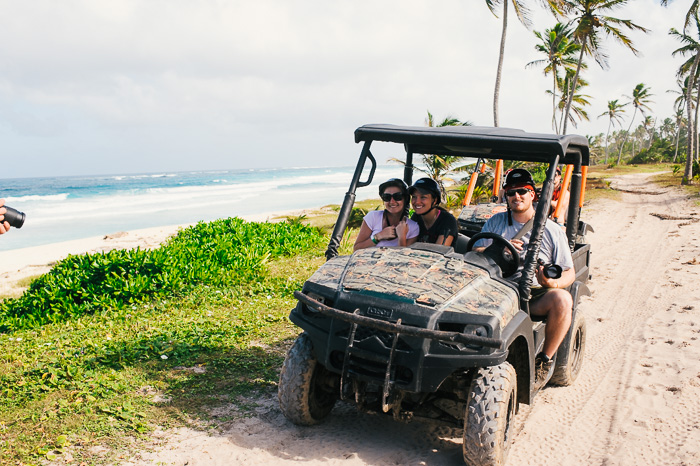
{"x": 493, "y": 402}
{"x": 570, "y": 354}
{"x": 307, "y": 391}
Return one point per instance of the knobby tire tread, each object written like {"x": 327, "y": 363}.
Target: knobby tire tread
{"x": 295, "y": 391}
{"x": 564, "y": 371}
{"x": 486, "y": 418}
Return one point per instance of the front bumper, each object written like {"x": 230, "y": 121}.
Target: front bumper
{"x": 419, "y": 360}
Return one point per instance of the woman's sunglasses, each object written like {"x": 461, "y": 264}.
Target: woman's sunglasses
{"x": 386, "y": 197}
{"x": 513, "y": 192}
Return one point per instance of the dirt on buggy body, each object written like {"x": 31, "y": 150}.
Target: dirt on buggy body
{"x": 473, "y": 217}
{"x": 434, "y": 332}
{"x": 422, "y": 277}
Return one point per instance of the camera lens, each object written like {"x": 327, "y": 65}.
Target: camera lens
{"x": 552, "y": 271}
{"x": 14, "y": 217}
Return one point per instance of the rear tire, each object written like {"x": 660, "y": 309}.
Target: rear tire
{"x": 493, "y": 402}
{"x": 570, "y": 354}
{"x": 307, "y": 391}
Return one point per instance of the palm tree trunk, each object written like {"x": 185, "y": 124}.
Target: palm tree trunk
{"x": 695, "y": 124}
{"x": 555, "y": 126}
{"x": 619, "y": 156}
{"x": 606, "y": 141}
{"x": 678, "y": 139}
{"x": 573, "y": 85}
{"x": 688, "y": 172}
{"x": 497, "y": 90}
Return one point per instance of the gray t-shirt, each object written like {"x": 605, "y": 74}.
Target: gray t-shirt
{"x": 554, "y": 248}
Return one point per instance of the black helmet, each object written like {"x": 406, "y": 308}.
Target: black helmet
{"x": 519, "y": 177}
{"x": 427, "y": 185}
{"x": 398, "y": 182}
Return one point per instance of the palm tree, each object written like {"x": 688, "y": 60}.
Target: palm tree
{"x": 640, "y": 101}
{"x": 667, "y": 129}
{"x": 589, "y": 19}
{"x": 679, "y": 126}
{"x": 649, "y": 125}
{"x": 690, "y": 67}
{"x": 692, "y": 12}
{"x": 579, "y": 100}
{"x": 559, "y": 48}
{"x": 614, "y": 113}
{"x": 438, "y": 167}
{"x": 523, "y": 15}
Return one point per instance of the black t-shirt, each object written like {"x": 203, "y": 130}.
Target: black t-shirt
{"x": 445, "y": 225}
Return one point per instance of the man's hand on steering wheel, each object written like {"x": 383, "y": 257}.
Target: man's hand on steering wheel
{"x": 503, "y": 252}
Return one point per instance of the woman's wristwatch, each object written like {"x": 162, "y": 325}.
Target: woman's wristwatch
{"x": 374, "y": 239}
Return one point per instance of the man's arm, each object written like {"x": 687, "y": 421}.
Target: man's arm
{"x": 567, "y": 278}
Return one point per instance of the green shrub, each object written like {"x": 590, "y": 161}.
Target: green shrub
{"x": 225, "y": 252}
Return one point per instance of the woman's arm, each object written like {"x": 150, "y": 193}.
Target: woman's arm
{"x": 364, "y": 238}
{"x": 447, "y": 241}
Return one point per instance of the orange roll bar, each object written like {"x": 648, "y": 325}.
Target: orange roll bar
{"x": 497, "y": 177}
{"x": 564, "y": 187}
{"x": 584, "y": 172}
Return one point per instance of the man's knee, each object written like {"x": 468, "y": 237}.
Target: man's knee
{"x": 563, "y": 300}
{"x": 555, "y": 302}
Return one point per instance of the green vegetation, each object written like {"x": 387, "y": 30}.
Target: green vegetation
{"x": 123, "y": 341}
{"x": 222, "y": 253}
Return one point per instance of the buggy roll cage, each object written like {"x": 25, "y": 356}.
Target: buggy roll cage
{"x": 477, "y": 142}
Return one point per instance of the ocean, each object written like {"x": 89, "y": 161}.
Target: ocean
{"x": 68, "y": 208}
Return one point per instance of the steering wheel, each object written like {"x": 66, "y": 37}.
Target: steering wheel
{"x": 501, "y": 251}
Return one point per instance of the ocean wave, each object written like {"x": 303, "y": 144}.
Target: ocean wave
{"x": 37, "y": 197}
{"x": 143, "y": 176}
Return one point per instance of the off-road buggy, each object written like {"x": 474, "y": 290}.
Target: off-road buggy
{"x": 433, "y": 332}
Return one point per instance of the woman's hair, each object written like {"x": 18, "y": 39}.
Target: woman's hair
{"x": 397, "y": 183}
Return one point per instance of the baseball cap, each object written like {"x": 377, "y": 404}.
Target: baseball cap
{"x": 519, "y": 177}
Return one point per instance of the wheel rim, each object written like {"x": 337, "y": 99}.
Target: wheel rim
{"x": 509, "y": 417}
{"x": 321, "y": 396}
{"x": 576, "y": 350}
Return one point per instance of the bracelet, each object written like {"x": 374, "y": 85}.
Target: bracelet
{"x": 374, "y": 239}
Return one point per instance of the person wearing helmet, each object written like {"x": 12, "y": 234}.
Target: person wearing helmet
{"x": 391, "y": 226}
{"x": 436, "y": 224}
{"x": 559, "y": 192}
{"x": 549, "y": 299}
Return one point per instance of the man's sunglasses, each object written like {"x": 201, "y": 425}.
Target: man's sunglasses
{"x": 513, "y": 192}
{"x": 386, "y": 197}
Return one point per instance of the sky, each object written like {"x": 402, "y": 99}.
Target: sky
{"x": 141, "y": 86}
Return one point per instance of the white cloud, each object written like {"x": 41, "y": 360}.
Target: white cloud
{"x": 120, "y": 86}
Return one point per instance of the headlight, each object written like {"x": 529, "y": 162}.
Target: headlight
{"x": 478, "y": 330}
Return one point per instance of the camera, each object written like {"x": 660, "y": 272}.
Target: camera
{"x": 14, "y": 217}
{"x": 550, "y": 270}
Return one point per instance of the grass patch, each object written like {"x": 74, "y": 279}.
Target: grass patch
{"x": 671, "y": 179}
{"x": 325, "y": 217}
{"x": 19, "y": 287}
{"x": 98, "y": 379}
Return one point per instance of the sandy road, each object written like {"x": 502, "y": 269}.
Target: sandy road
{"x": 636, "y": 401}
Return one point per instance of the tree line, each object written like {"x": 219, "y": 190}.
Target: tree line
{"x": 634, "y": 134}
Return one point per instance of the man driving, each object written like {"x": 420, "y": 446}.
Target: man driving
{"x": 549, "y": 299}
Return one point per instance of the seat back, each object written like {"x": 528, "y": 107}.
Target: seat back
{"x": 460, "y": 244}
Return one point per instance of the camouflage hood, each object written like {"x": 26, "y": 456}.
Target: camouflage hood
{"x": 423, "y": 277}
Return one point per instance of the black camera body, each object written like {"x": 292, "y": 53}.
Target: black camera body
{"x": 14, "y": 217}
{"x": 550, "y": 270}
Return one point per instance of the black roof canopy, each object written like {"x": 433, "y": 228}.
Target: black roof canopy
{"x": 479, "y": 141}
